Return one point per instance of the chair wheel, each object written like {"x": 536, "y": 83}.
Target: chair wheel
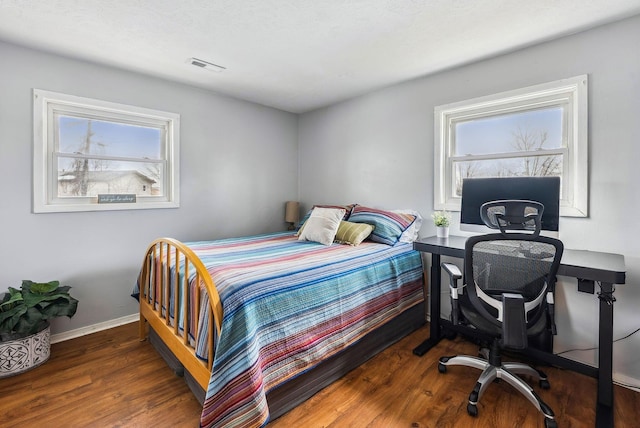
{"x": 442, "y": 368}
{"x": 472, "y": 409}
{"x": 544, "y": 384}
{"x": 550, "y": 423}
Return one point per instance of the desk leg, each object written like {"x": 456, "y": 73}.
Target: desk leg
{"x": 604, "y": 411}
{"x": 434, "y": 312}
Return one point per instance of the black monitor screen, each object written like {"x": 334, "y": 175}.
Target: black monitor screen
{"x": 477, "y": 191}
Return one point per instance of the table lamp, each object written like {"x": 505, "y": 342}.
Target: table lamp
{"x": 292, "y": 214}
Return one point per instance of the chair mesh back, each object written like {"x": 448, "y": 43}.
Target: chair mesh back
{"x": 520, "y": 266}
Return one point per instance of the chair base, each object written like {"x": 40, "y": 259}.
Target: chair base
{"x": 506, "y": 371}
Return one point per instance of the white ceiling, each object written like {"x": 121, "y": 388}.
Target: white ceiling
{"x": 296, "y": 55}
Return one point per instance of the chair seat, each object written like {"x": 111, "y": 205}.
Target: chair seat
{"x": 488, "y": 327}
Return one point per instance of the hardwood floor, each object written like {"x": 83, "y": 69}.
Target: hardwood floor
{"x": 110, "y": 379}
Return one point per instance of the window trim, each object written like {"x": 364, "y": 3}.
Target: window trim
{"x": 571, "y": 91}
{"x": 45, "y": 171}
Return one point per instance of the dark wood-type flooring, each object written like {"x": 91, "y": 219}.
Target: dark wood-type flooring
{"x": 110, "y": 379}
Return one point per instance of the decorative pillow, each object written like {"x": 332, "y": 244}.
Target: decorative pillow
{"x": 353, "y": 233}
{"x": 388, "y": 226}
{"x": 322, "y": 225}
{"x": 347, "y": 209}
{"x": 411, "y": 234}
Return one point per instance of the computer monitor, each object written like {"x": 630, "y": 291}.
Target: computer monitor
{"x": 477, "y": 191}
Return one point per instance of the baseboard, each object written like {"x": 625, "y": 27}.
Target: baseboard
{"x": 626, "y": 382}
{"x": 83, "y": 331}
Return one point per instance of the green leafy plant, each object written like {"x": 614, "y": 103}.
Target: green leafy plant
{"x": 26, "y": 311}
{"x": 441, "y": 218}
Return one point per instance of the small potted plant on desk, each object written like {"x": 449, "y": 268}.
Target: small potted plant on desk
{"x": 24, "y": 323}
{"x": 441, "y": 219}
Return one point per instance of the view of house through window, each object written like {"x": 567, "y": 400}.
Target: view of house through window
{"x": 93, "y": 155}
{"x": 96, "y": 156}
{"x": 535, "y": 131}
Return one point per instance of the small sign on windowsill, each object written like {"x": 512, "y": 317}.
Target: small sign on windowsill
{"x": 117, "y": 198}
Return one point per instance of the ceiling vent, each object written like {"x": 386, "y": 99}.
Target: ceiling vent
{"x": 206, "y": 65}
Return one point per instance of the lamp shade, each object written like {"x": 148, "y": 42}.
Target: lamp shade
{"x": 292, "y": 212}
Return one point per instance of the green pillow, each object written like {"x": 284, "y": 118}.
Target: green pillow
{"x": 352, "y": 233}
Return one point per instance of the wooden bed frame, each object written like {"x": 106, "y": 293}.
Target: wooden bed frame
{"x": 180, "y": 354}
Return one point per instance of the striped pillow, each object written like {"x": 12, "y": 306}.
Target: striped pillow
{"x": 388, "y": 226}
{"x": 352, "y": 233}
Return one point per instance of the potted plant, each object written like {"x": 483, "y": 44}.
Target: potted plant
{"x": 24, "y": 323}
{"x": 442, "y": 220}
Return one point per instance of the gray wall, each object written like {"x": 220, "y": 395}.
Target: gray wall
{"x": 378, "y": 150}
{"x": 239, "y": 164}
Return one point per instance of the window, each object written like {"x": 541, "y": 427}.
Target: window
{"x": 92, "y": 155}
{"x": 535, "y": 131}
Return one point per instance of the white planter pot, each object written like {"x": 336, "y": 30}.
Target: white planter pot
{"x": 442, "y": 231}
{"x": 20, "y": 355}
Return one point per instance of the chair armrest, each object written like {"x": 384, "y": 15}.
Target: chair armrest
{"x": 551, "y": 313}
{"x": 454, "y": 276}
{"x": 452, "y": 270}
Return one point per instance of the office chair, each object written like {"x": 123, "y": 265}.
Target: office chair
{"x": 508, "y": 297}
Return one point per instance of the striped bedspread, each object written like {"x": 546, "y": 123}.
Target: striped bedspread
{"x": 290, "y": 304}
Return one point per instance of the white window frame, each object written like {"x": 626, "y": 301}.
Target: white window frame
{"x": 45, "y": 170}
{"x": 571, "y": 93}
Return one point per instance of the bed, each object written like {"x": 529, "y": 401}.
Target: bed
{"x": 261, "y": 323}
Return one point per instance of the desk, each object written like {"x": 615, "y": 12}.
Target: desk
{"x": 605, "y": 268}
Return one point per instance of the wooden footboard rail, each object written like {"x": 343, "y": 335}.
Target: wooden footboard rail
{"x": 162, "y": 256}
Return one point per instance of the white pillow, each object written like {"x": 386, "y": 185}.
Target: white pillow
{"x": 411, "y": 234}
{"x": 322, "y": 225}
